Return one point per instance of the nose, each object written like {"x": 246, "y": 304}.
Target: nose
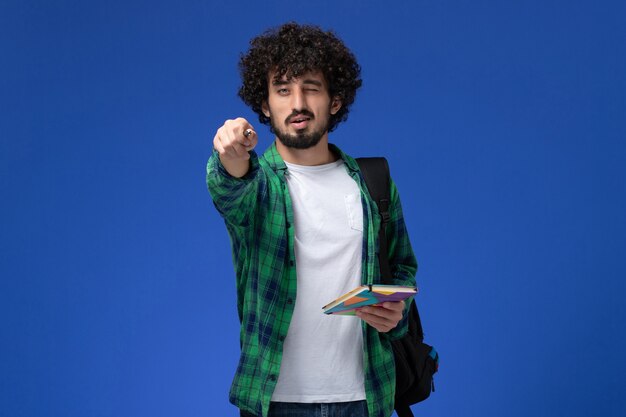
{"x": 298, "y": 100}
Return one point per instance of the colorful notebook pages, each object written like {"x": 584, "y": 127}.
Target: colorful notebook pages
{"x": 366, "y": 295}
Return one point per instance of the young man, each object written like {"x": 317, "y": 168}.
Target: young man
{"x": 304, "y": 231}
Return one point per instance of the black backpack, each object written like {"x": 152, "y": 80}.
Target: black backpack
{"x": 416, "y": 362}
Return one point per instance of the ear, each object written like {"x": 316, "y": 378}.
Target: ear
{"x": 335, "y": 105}
{"x": 265, "y": 108}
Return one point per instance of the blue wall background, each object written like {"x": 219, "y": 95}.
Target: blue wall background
{"x": 504, "y": 123}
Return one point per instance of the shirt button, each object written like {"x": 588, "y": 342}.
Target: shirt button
{"x": 289, "y": 300}
{"x": 272, "y": 377}
{"x": 288, "y": 224}
{"x": 281, "y": 338}
{"x": 290, "y": 263}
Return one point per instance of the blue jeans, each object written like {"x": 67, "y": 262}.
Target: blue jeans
{"x": 348, "y": 409}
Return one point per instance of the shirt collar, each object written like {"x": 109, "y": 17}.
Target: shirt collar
{"x": 275, "y": 161}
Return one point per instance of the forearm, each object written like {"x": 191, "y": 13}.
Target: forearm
{"x": 237, "y": 168}
{"x": 234, "y": 197}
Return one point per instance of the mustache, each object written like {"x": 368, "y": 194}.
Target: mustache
{"x": 297, "y": 113}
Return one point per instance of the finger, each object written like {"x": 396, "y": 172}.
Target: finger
{"x": 220, "y": 142}
{"x": 375, "y": 319}
{"x": 231, "y": 132}
{"x": 393, "y": 305}
{"x": 244, "y": 143}
{"x": 222, "y": 145}
{"x": 383, "y": 312}
{"x": 382, "y": 316}
{"x": 250, "y": 138}
{"x": 232, "y": 144}
{"x": 240, "y": 150}
{"x": 376, "y": 322}
{"x": 254, "y": 140}
{"x": 245, "y": 125}
{"x": 242, "y": 129}
{"x": 217, "y": 144}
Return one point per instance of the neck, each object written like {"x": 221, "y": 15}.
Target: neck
{"x": 319, "y": 154}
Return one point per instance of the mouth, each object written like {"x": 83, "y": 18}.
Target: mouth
{"x": 300, "y": 122}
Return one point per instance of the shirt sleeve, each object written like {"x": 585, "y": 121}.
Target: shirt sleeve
{"x": 234, "y": 198}
{"x": 402, "y": 260}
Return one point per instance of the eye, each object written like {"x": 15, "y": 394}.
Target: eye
{"x": 282, "y": 91}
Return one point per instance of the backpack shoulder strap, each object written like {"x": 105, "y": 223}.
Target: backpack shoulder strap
{"x": 375, "y": 172}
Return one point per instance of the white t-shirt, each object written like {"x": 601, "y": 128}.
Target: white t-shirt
{"x": 323, "y": 354}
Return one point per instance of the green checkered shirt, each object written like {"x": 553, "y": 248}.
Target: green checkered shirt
{"x": 258, "y": 213}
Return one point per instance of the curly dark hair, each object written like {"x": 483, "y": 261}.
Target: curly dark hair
{"x": 293, "y": 50}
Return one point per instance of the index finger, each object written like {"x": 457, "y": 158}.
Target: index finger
{"x": 249, "y": 138}
{"x": 394, "y": 305}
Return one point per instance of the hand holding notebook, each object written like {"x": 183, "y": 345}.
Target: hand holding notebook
{"x": 365, "y": 295}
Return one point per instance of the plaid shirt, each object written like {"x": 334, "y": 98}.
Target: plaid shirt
{"x": 258, "y": 213}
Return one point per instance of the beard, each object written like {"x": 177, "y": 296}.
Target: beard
{"x": 301, "y": 139}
